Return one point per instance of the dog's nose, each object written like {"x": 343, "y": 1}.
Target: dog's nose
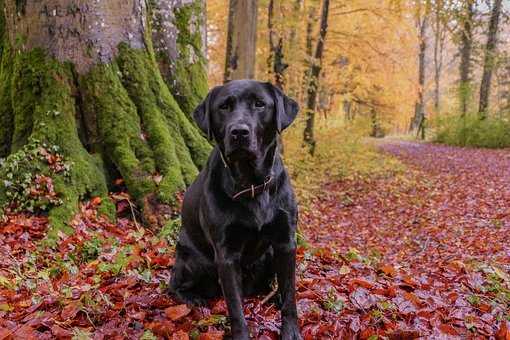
{"x": 240, "y": 131}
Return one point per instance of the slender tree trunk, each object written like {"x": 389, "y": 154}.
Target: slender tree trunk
{"x": 488, "y": 65}
{"x": 295, "y": 75}
{"x": 419, "y": 112}
{"x": 313, "y": 82}
{"x": 439, "y": 45}
{"x": 466, "y": 47}
{"x": 85, "y": 81}
{"x": 241, "y": 40}
{"x": 308, "y": 62}
{"x": 276, "y": 65}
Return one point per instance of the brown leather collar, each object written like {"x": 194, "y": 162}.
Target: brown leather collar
{"x": 254, "y": 189}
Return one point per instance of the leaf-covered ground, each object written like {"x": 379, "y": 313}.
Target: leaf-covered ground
{"x": 420, "y": 253}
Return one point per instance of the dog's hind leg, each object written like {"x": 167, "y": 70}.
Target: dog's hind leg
{"x": 193, "y": 279}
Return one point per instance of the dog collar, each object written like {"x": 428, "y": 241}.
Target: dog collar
{"x": 253, "y": 190}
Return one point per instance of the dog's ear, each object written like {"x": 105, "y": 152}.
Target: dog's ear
{"x": 286, "y": 108}
{"x": 202, "y": 114}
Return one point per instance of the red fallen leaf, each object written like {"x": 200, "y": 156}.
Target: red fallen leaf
{"x": 4, "y": 333}
{"x": 163, "y": 328}
{"x": 413, "y": 298}
{"x": 162, "y": 260}
{"x": 26, "y": 332}
{"x": 503, "y": 331}
{"x": 212, "y": 334}
{"x": 484, "y": 307}
{"x": 95, "y": 201}
{"x": 447, "y": 329}
{"x": 307, "y": 294}
{"x": 388, "y": 270}
{"x": 391, "y": 291}
{"x": 362, "y": 283}
{"x": 60, "y": 332}
{"x": 403, "y": 335}
{"x": 177, "y": 312}
{"x": 219, "y": 307}
{"x": 180, "y": 335}
{"x": 69, "y": 312}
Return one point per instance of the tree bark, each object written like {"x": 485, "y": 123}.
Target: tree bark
{"x": 294, "y": 77}
{"x": 179, "y": 38}
{"x": 489, "y": 59}
{"x": 241, "y": 40}
{"x": 275, "y": 61}
{"x": 81, "y": 77}
{"x": 439, "y": 45}
{"x": 466, "y": 47}
{"x": 313, "y": 81}
{"x": 419, "y": 112}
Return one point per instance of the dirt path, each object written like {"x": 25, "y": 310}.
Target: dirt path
{"x": 439, "y": 232}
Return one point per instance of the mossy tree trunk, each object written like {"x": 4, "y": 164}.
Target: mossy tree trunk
{"x": 88, "y": 79}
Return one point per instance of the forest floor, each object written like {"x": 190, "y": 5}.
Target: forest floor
{"x": 420, "y": 252}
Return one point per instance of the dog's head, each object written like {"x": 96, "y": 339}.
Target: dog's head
{"x": 245, "y": 116}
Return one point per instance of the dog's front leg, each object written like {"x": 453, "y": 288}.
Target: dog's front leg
{"x": 230, "y": 279}
{"x": 285, "y": 263}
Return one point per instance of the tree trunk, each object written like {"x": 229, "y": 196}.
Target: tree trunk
{"x": 295, "y": 75}
{"x": 276, "y": 65}
{"x": 419, "y": 112}
{"x": 241, "y": 40}
{"x": 466, "y": 47}
{"x": 439, "y": 45}
{"x": 489, "y": 59}
{"x": 81, "y": 77}
{"x": 180, "y": 41}
{"x": 313, "y": 81}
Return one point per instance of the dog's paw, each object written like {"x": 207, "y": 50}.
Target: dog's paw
{"x": 291, "y": 332}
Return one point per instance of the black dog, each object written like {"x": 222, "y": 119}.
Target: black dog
{"x": 239, "y": 216}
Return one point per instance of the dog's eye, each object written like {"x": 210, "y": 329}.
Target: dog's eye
{"x": 259, "y": 104}
{"x": 224, "y": 106}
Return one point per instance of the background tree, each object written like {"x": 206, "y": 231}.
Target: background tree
{"x": 466, "y": 19}
{"x": 241, "y": 40}
{"x": 422, "y": 22}
{"x": 83, "y": 80}
{"x": 489, "y": 60}
{"x": 276, "y": 64}
{"x": 313, "y": 81}
{"x": 440, "y": 29}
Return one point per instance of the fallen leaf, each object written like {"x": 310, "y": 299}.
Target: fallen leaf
{"x": 177, "y": 312}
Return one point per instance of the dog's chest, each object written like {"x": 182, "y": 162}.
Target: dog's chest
{"x": 255, "y": 213}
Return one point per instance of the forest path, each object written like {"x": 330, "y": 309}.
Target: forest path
{"x": 451, "y": 203}
{"x": 439, "y": 231}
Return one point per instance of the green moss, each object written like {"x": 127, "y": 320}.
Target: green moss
{"x": 119, "y": 128}
{"x": 44, "y": 110}
{"x": 178, "y": 146}
{"x": 188, "y": 77}
{"x": 6, "y": 115}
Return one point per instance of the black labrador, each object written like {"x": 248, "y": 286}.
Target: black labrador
{"x": 239, "y": 216}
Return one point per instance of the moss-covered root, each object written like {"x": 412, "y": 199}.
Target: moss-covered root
{"x": 6, "y": 116}
{"x": 141, "y": 129}
{"x": 178, "y": 146}
{"x": 43, "y": 107}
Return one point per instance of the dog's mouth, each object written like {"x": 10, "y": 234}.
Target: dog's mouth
{"x": 242, "y": 154}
